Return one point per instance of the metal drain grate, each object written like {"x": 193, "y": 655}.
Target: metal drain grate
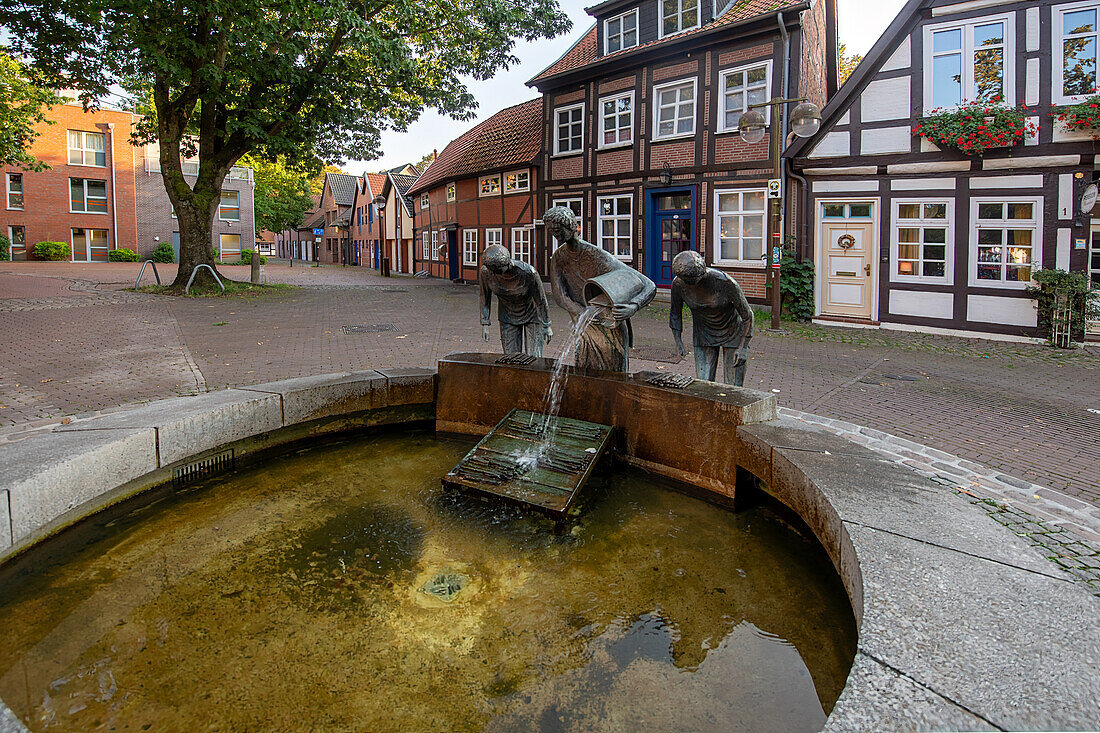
{"x": 445, "y": 586}
{"x": 656, "y": 353}
{"x": 199, "y": 470}
{"x": 672, "y": 381}
{"x": 370, "y": 328}
{"x": 516, "y": 359}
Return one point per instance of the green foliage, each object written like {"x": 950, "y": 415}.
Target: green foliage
{"x": 122, "y": 255}
{"x": 282, "y": 194}
{"x": 1084, "y": 300}
{"x": 53, "y": 251}
{"x": 976, "y": 127}
{"x": 5, "y": 249}
{"x": 23, "y": 104}
{"x": 796, "y": 283}
{"x": 164, "y": 253}
{"x": 246, "y": 257}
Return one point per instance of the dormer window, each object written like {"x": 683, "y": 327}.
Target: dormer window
{"x": 620, "y": 32}
{"x": 678, "y": 16}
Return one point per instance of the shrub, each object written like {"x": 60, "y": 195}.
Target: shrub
{"x": 246, "y": 257}
{"x": 976, "y": 126}
{"x": 163, "y": 253}
{"x": 53, "y": 251}
{"x": 796, "y": 284}
{"x": 1083, "y": 300}
{"x": 122, "y": 255}
{"x": 5, "y": 249}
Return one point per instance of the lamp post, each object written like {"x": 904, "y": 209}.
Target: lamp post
{"x": 805, "y": 121}
{"x": 380, "y": 204}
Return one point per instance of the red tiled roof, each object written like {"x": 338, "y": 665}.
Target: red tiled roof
{"x": 510, "y": 137}
{"x": 376, "y": 181}
{"x": 583, "y": 51}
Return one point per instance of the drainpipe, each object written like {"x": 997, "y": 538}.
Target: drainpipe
{"x": 114, "y": 198}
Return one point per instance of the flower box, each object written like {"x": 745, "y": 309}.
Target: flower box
{"x": 976, "y": 127}
{"x": 1083, "y": 117}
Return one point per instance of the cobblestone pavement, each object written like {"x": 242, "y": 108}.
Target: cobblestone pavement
{"x": 71, "y": 342}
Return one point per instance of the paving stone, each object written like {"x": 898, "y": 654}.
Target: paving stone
{"x": 1013, "y": 481}
{"x": 955, "y": 470}
{"x": 1067, "y": 501}
{"x": 9, "y": 722}
{"x": 996, "y": 649}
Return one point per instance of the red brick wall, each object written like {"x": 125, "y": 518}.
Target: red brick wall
{"x": 730, "y": 58}
{"x": 570, "y": 167}
{"x": 676, "y": 70}
{"x": 615, "y": 85}
{"x": 615, "y": 161}
{"x": 730, "y": 148}
{"x": 676, "y": 154}
{"x": 569, "y": 97}
{"x": 812, "y": 71}
{"x": 751, "y": 281}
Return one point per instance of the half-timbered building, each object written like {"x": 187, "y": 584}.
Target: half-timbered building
{"x": 641, "y": 125}
{"x": 481, "y": 190}
{"x": 912, "y": 234}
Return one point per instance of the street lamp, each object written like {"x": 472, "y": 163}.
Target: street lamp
{"x": 805, "y": 121}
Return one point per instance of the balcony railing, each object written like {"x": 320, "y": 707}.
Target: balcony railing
{"x": 191, "y": 168}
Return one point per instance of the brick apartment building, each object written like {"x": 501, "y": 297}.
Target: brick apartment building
{"x": 640, "y": 125}
{"x": 102, "y": 193}
{"x": 481, "y": 190}
{"x": 86, "y": 198}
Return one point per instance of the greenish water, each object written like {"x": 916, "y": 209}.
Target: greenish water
{"x": 340, "y": 589}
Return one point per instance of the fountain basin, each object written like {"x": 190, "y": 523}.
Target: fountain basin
{"x": 961, "y": 625}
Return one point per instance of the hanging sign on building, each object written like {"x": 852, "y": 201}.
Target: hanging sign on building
{"x": 318, "y": 232}
{"x": 1088, "y": 199}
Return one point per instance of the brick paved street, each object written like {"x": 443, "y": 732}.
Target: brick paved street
{"x": 70, "y": 342}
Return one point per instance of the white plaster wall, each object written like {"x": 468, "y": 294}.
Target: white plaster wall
{"x": 1005, "y": 311}
{"x": 923, "y": 184}
{"x": 1007, "y": 182}
{"x": 834, "y": 144}
{"x": 886, "y": 99}
{"x": 1061, "y": 256}
{"x": 922, "y": 304}
{"x": 837, "y": 186}
{"x": 886, "y": 140}
{"x": 901, "y": 58}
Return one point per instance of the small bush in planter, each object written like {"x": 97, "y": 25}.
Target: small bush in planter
{"x": 246, "y": 257}
{"x": 976, "y": 127}
{"x": 53, "y": 251}
{"x": 1081, "y": 117}
{"x": 1083, "y": 300}
{"x": 163, "y": 253}
{"x": 122, "y": 255}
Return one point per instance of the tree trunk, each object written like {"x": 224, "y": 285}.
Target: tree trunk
{"x": 195, "y": 215}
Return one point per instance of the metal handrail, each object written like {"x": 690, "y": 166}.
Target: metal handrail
{"x": 187, "y": 290}
{"x": 143, "y": 266}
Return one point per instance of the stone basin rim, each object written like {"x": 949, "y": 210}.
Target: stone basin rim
{"x": 961, "y": 625}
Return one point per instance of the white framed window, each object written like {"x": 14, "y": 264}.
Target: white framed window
{"x": 620, "y": 32}
{"x": 489, "y": 185}
{"x": 17, "y": 236}
{"x": 617, "y": 120}
{"x": 434, "y": 252}
{"x": 87, "y": 196}
{"x": 493, "y": 236}
{"x": 615, "y": 222}
{"x": 230, "y": 207}
{"x": 742, "y": 87}
{"x": 678, "y": 16}
{"x": 969, "y": 61}
{"x": 569, "y": 129}
{"x": 1006, "y": 241}
{"x": 1075, "y": 52}
{"x": 450, "y": 192}
{"x": 522, "y": 248}
{"x": 675, "y": 103}
{"x": 424, "y": 201}
{"x": 517, "y": 181}
{"x": 15, "y": 190}
{"x": 90, "y": 245}
{"x": 574, "y": 204}
{"x": 741, "y": 226}
{"x": 922, "y": 241}
{"x": 230, "y": 246}
{"x": 469, "y": 247}
{"x": 87, "y": 148}
{"x": 425, "y": 245}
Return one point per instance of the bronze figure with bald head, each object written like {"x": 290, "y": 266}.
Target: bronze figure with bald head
{"x": 721, "y": 319}
{"x": 522, "y": 308}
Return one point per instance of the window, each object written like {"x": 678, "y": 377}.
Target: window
{"x": 1006, "y": 241}
{"x": 489, "y": 186}
{"x": 1075, "y": 53}
{"x": 517, "y": 181}
{"x": 620, "y": 32}
{"x": 425, "y": 246}
{"x": 521, "y": 246}
{"x": 741, "y": 88}
{"x": 17, "y": 236}
{"x": 87, "y": 196}
{"x": 469, "y": 247}
{"x": 568, "y": 129}
{"x": 230, "y": 208}
{"x": 678, "y": 15}
{"x": 90, "y": 245}
{"x": 231, "y": 246}
{"x": 741, "y": 226}
{"x": 616, "y": 224}
{"x": 617, "y": 120}
{"x": 424, "y": 201}
{"x": 435, "y": 246}
{"x": 574, "y": 205}
{"x": 450, "y": 192}
{"x": 493, "y": 236}
{"x": 675, "y": 110}
{"x": 15, "y": 190}
{"x": 968, "y": 62}
{"x": 846, "y": 211}
{"x": 922, "y": 243}
{"x": 87, "y": 148}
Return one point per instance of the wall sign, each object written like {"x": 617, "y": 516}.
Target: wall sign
{"x": 318, "y": 232}
{"x": 1088, "y": 199}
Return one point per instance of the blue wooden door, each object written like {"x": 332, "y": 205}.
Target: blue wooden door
{"x": 671, "y": 231}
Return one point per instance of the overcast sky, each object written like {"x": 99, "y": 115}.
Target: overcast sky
{"x": 861, "y": 23}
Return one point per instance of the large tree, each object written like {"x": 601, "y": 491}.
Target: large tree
{"x": 282, "y": 193}
{"x": 23, "y": 105}
{"x": 291, "y": 79}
